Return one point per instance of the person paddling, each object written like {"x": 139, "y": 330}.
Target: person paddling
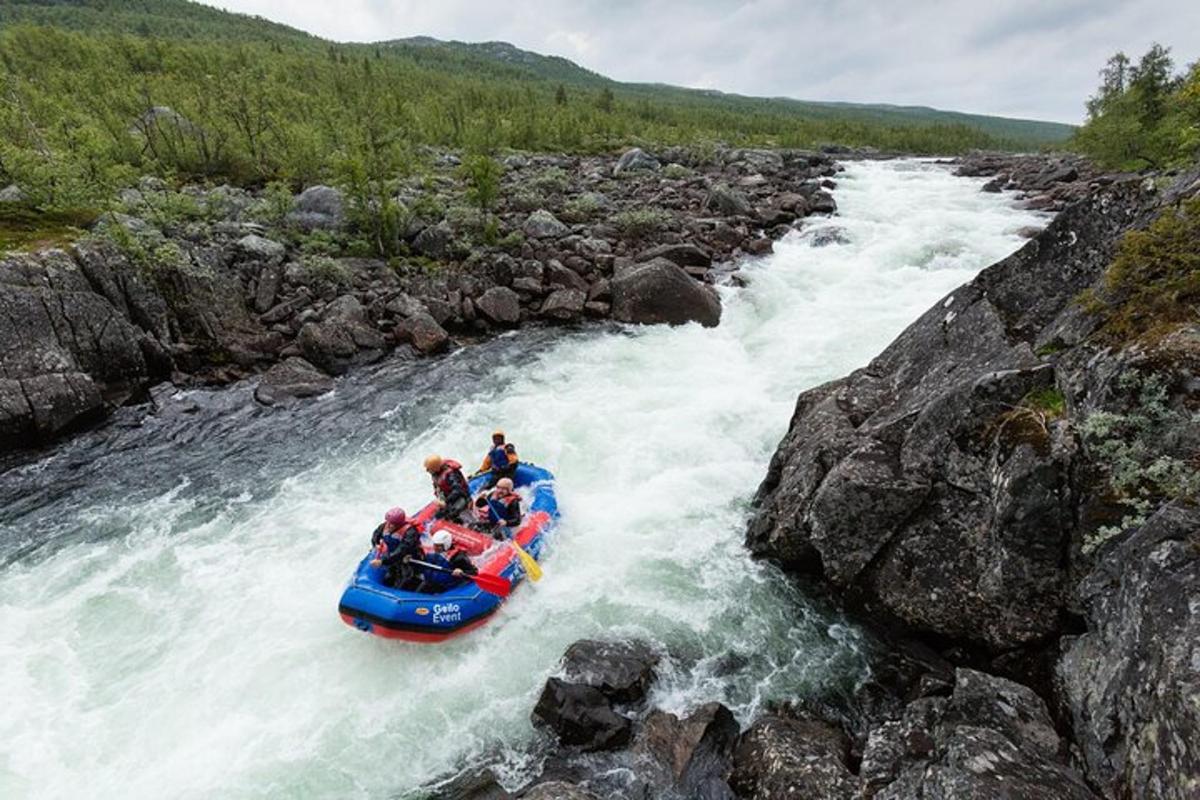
{"x": 501, "y": 509}
{"x": 449, "y": 486}
{"x": 501, "y": 460}
{"x": 454, "y": 564}
{"x": 398, "y": 540}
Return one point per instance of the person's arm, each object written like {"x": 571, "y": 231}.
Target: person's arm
{"x": 377, "y": 535}
{"x": 513, "y": 514}
{"x": 463, "y": 562}
{"x": 486, "y": 466}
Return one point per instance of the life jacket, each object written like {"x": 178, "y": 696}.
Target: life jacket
{"x": 445, "y": 560}
{"x": 500, "y": 505}
{"x": 498, "y": 457}
{"x": 449, "y": 480}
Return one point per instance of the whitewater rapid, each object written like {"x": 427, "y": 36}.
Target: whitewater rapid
{"x": 168, "y": 594}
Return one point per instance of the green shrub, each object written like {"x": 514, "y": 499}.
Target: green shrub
{"x": 676, "y": 172}
{"x": 640, "y": 222}
{"x": 1153, "y": 282}
{"x": 526, "y": 200}
{"x": 1133, "y": 452}
{"x": 23, "y": 228}
{"x": 583, "y": 207}
{"x": 274, "y": 204}
{"x": 552, "y": 180}
{"x": 323, "y": 271}
{"x": 482, "y": 174}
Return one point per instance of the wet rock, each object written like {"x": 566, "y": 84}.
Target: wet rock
{"x": 318, "y": 208}
{"x": 825, "y": 236}
{"x": 780, "y": 757}
{"x": 289, "y": 379}
{"x": 822, "y": 203}
{"x": 621, "y": 670}
{"x": 541, "y": 224}
{"x": 470, "y": 784}
{"x": 500, "y": 305}
{"x": 659, "y": 291}
{"x": 581, "y": 716}
{"x": 1130, "y": 682}
{"x": 564, "y": 304}
{"x": 696, "y": 751}
{"x": 635, "y": 159}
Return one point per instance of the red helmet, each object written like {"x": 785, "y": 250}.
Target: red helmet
{"x": 395, "y": 516}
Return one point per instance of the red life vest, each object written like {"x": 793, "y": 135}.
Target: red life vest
{"x": 444, "y": 482}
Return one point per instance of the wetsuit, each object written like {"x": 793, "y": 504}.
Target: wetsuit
{"x": 435, "y": 581}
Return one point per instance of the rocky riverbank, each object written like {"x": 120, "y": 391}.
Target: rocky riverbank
{"x": 1035, "y": 628}
{"x": 988, "y": 485}
{"x": 207, "y": 286}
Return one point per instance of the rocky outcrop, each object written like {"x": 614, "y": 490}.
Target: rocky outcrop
{"x": 291, "y": 379}
{"x": 342, "y": 339}
{"x": 918, "y": 484}
{"x": 635, "y": 159}
{"x": 1048, "y": 183}
{"x": 661, "y": 292}
{"x": 1130, "y": 683}
{"x": 781, "y": 757}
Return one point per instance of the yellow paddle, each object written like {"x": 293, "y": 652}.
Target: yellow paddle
{"x": 531, "y": 567}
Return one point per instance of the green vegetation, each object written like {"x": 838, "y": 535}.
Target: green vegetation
{"x": 1028, "y": 422}
{"x": 1144, "y": 115}
{"x": 99, "y": 92}
{"x": 640, "y": 222}
{"x": 1153, "y": 283}
{"x": 24, "y": 229}
{"x": 1133, "y": 450}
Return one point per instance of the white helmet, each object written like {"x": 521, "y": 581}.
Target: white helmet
{"x": 442, "y": 540}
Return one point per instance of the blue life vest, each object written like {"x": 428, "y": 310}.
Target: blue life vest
{"x": 499, "y": 457}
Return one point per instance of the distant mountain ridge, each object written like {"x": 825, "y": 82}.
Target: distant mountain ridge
{"x": 182, "y": 19}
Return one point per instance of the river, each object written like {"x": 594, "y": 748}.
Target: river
{"x": 169, "y": 581}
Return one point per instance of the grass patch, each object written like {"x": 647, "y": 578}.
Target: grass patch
{"x": 25, "y": 229}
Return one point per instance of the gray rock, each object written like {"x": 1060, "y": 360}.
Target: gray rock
{"x": 12, "y": 194}
{"x": 1131, "y": 681}
{"x": 344, "y": 337}
{"x": 558, "y": 790}
{"x": 564, "y": 304}
{"x": 621, "y": 670}
{"x": 293, "y": 378}
{"x": 259, "y": 248}
{"x": 693, "y": 751}
{"x": 779, "y": 757}
{"x": 562, "y": 277}
{"x": 768, "y": 161}
{"x": 825, "y": 235}
{"x": 500, "y": 305}
{"x": 659, "y": 291}
{"x": 318, "y": 208}
{"x": 435, "y": 241}
{"x": 426, "y": 335}
{"x": 269, "y": 281}
{"x": 635, "y": 159}
{"x": 541, "y": 224}
{"x": 581, "y": 716}
{"x": 729, "y": 202}
{"x": 685, "y": 254}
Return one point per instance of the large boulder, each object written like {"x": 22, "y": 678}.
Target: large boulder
{"x": 685, "y": 254}
{"x": 435, "y": 241}
{"x": 636, "y": 159}
{"x": 425, "y": 334}
{"x": 501, "y": 305}
{"x": 541, "y": 224}
{"x": 291, "y": 379}
{"x": 696, "y": 752}
{"x": 564, "y": 305}
{"x": 659, "y": 291}
{"x": 729, "y": 202}
{"x": 1131, "y": 682}
{"x": 558, "y": 790}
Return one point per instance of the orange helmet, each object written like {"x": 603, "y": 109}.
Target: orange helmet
{"x": 433, "y": 463}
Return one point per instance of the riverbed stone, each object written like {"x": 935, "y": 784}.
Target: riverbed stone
{"x": 659, "y": 291}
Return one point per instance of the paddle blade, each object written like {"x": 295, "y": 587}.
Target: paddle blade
{"x": 532, "y": 569}
{"x": 493, "y": 584}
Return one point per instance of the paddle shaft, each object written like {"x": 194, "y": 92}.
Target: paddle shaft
{"x": 492, "y": 584}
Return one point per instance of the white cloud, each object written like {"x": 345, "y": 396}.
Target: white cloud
{"x": 1036, "y": 58}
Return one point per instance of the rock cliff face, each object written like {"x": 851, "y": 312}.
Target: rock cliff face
{"x": 951, "y": 485}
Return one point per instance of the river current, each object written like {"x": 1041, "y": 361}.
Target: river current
{"x": 169, "y": 581}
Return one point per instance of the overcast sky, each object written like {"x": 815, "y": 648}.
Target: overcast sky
{"x": 1027, "y": 58}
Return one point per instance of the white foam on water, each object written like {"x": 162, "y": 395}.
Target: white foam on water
{"x": 201, "y": 655}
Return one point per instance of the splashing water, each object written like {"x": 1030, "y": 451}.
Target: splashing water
{"x": 168, "y": 596}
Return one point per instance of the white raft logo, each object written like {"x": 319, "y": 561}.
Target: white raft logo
{"x": 450, "y": 612}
